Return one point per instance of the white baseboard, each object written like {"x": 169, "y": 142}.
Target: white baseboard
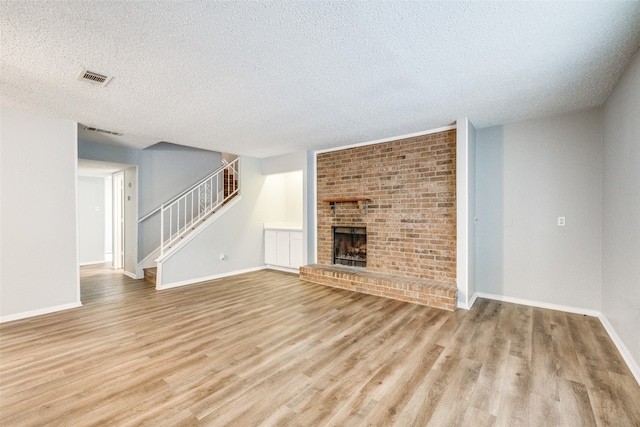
{"x": 207, "y": 278}
{"x": 39, "y": 312}
{"x": 82, "y": 264}
{"x": 283, "y": 269}
{"x": 540, "y": 304}
{"x": 474, "y": 297}
{"x": 468, "y": 306}
{"x": 130, "y": 274}
{"x": 624, "y": 352}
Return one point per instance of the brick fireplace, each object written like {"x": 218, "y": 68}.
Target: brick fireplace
{"x": 403, "y": 193}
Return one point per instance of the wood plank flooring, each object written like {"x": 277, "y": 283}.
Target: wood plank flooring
{"x": 265, "y": 348}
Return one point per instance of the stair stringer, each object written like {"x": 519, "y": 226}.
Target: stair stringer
{"x": 195, "y": 232}
{"x": 148, "y": 262}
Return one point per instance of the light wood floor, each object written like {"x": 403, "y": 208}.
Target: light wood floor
{"x": 265, "y": 348}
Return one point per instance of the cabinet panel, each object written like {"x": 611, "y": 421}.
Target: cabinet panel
{"x": 283, "y": 249}
{"x": 295, "y": 250}
{"x": 270, "y": 247}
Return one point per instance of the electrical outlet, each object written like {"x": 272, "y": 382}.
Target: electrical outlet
{"x": 221, "y": 257}
{"x": 561, "y": 221}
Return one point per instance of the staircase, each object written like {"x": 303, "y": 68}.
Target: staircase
{"x": 182, "y": 215}
{"x": 230, "y": 185}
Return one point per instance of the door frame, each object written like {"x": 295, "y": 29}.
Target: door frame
{"x": 118, "y": 220}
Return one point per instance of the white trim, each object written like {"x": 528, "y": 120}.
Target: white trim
{"x": 77, "y": 218}
{"x": 130, "y": 274}
{"x": 283, "y": 269}
{"x": 39, "y": 312}
{"x": 540, "y": 304}
{"x": 389, "y": 139}
{"x": 314, "y": 210}
{"x": 462, "y": 211}
{"x": 199, "y": 229}
{"x": 626, "y": 354}
{"x": 208, "y": 278}
{"x": 82, "y": 264}
{"x": 148, "y": 262}
{"x": 468, "y": 306}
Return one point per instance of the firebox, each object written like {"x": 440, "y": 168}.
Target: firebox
{"x": 350, "y": 246}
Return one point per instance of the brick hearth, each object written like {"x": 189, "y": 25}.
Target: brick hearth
{"x": 409, "y": 289}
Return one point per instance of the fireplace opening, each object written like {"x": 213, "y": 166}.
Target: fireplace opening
{"x": 350, "y": 246}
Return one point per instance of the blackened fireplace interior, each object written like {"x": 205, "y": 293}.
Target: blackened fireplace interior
{"x": 350, "y": 246}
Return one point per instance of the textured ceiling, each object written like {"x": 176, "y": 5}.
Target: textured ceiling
{"x": 266, "y": 78}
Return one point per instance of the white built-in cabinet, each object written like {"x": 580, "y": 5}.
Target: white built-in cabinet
{"x": 283, "y": 248}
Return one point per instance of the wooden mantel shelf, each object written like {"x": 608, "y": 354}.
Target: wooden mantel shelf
{"x": 347, "y": 199}
{"x": 332, "y": 202}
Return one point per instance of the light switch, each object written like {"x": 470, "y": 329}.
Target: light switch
{"x": 561, "y": 221}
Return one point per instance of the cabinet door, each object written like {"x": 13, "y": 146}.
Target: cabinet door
{"x": 295, "y": 250}
{"x": 283, "y": 249}
{"x": 270, "y": 247}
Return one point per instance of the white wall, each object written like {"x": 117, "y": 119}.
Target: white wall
{"x": 550, "y": 167}
{"x": 305, "y": 161}
{"x": 108, "y": 215}
{"x": 130, "y": 221}
{"x": 283, "y": 202}
{"x": 91, "y": 219}
{"x": 621, "y": 211}
{"x": 38, "y": 234}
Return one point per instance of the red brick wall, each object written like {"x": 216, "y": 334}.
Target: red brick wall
{"x": 411, "y": 220}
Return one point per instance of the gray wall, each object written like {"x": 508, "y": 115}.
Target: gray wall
{"x": 91, "y": 219}
{"x": 528, "y": 174}
{"x": 621, "y": 204}
{"x": 238, "y": 234}
{"x": 490, "y": 210}
{"x": 38, "y": 245}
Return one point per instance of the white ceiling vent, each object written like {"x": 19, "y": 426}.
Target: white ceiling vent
{"x": 92, "y": 77}
{"x": 109, "y": 132}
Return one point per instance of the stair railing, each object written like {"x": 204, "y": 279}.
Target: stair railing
{"x": 182, "y": 213}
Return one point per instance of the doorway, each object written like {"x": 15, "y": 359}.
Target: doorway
{"x": 107, "y": 220}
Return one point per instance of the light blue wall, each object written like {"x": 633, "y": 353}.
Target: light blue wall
{"x": 164, "y": 170}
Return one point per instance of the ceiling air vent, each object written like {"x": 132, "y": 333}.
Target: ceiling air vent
{"x": 109, "y": 132}
{"x": 95, "y": 78}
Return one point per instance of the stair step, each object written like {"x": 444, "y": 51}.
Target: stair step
{"x": 150, "y": 274}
